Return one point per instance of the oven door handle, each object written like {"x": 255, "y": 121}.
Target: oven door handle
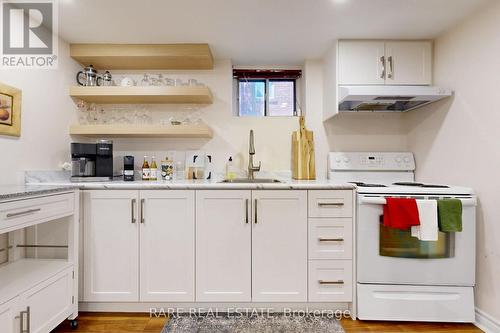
{"x": 381, "y": 201}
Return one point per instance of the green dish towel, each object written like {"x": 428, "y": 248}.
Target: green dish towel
{"x": 450, "y": 215}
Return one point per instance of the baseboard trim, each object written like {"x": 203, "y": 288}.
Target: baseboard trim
{"x": 486, "y": 322}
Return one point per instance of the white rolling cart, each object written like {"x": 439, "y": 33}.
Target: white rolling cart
{"x": 39, "y": 273}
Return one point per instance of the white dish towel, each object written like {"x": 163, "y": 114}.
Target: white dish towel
{"x": 428, "y": 215}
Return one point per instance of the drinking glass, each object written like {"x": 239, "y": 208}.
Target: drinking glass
{"x": 180, "y": 170}
{"x": 146, "y": 80}
{"x": 161, "y": 80}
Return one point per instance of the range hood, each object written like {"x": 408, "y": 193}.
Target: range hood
{"x": 388, "y": 98}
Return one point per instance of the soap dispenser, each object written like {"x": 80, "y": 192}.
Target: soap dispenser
{"x": 230, "y": 172}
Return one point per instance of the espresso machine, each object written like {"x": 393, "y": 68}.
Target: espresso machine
{"x": 92, "y": 162}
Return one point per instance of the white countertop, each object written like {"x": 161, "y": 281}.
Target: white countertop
{"x": 286, "y": 184}
{"x": 20, "y": 191}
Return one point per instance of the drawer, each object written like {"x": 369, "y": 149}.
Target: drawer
{"x": 415, "y": 303}
{"x": 330, "y": 238}
{"x": 330, "y": 281}
{"x": 26, "y": 212}
{"x": 330, "y": 203}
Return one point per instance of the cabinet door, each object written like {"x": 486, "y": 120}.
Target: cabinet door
{"x": 223, "y": 246}
{"x": 167, "y": 246}
{"x": 48, "y": 304}
{"x": 361, "y": 62}
{"x": 8, "y": 313}
{"x": 279, "y": 246}
{"x": 409, "y": 62}
{"x": 111, "y": 246}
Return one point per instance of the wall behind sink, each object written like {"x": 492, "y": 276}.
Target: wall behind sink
{"x": 457, "y": 141}
{"x": 47, "y": 110}
{"x": 272, "y": 134}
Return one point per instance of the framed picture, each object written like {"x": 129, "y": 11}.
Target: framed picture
{"x": 10, "y": 110}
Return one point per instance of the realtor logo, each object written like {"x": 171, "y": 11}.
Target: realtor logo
{"x": 29, "y": 38}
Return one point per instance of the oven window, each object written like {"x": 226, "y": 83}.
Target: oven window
{"x": 400, "y": 244}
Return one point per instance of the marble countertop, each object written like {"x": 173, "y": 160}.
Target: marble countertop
{"x": 21, "y": 191}
{"x": 204, "y": 184}
{"x": 286, "y": 183}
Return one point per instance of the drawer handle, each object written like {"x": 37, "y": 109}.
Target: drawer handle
{"x": 22, "y": 329}
{"x": 24, "y": 212}
{"x": 329, "y": 204}
{"x": 331, "y": 282}
{"x": 132, "y": 210}
{"x": 246, "y": 210}
{"x": 321, "y": 239}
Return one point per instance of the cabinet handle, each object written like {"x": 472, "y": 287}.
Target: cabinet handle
{"x": 255, "y": 211}
{"x": 390, "y": 75}
{"x": 21, "y": 320}
{"x": 321, "y": 239}
{"x": 326, "y": 204}
{"x": 382, "y": 60}
{"x": 24, "y": 212}
{"x": 246, "y": 211}
{"x": 132, "y": 209}
{"x": 142, "y": 211}
{"x": 331, "y": 282}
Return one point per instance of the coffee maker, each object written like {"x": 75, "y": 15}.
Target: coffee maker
{"x": 92, "y": 161}
{"x": 128, "y": 168}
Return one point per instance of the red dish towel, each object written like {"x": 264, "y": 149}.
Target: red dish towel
{"x": 401, "y": 213}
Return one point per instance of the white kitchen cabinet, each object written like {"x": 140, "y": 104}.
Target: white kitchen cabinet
{"x": 223, "y": 246}
{"x": 111, "y": 246}
{"x": 409, "y": 62}
{"x": 384, "y": 62}
{"x": 279, "y": 246}
{"x": 361, "y": 62}
{"x": 330, "y": 238}
{"x": 167, "y": 249}
{"x": 8, "y": 313}
{"x": 48, "y": 303}
{"x": 330, "y": 281}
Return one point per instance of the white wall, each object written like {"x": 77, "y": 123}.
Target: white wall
{"x": 272, "y": 134}
{"x": 457, "y": 141}
{"x": 346, "y": 132}
{"x": 46, "y": 112}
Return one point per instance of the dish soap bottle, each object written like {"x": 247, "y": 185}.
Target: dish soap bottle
{"x": 230, "y": 172}
{"x": 153, "y": 169}
{"x": 145, "y": 169}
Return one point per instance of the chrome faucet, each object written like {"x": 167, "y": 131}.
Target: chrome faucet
{"x": 251, "y": 152}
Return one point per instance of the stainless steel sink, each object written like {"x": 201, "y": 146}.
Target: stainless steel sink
{"x": 255, "y": 180}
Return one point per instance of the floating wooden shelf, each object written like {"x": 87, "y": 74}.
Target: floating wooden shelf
{"x": 168, "y": 131}
{"x": 143, "y": 95}
{"x": 143, "y": 56}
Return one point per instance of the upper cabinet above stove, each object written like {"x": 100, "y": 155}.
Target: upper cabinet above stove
{"x": 378, "y": 62}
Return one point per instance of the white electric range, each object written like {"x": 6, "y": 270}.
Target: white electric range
{"x": 398, "y": 276}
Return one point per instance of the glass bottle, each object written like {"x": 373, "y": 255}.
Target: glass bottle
{"x": 145, "y": 169}
{"x": 153, "y": 169}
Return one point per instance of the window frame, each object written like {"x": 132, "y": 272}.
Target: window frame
{"x": 266, "y": 95}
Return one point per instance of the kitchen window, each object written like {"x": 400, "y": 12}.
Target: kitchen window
{"x": 261, "y": 93}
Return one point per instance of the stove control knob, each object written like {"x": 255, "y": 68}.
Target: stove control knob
{"x": 337, "y": 160}
{"x": 398, "y": 159}
{"x": 346, "y": 160}
{"x": 407, "y": 160}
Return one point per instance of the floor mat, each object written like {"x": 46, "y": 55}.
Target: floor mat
{"x": 253, "y": 324}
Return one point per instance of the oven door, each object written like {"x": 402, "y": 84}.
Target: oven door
{"x": 394, "y": 257}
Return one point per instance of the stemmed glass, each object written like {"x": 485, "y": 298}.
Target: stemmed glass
{"x": 146, "y": 81}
